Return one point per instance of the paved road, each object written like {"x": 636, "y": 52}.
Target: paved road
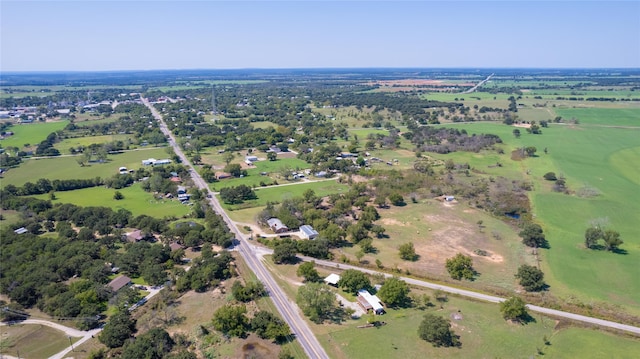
{"x": 467, "y": 293}
{"x": 479, "y": 84}
{"x": 71, "y": 332}
{"x": 287, "y": 308}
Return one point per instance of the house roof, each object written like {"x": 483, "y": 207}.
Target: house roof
{"x": 174, "y": 246}
{"x": 119, "y": 282}
{"x": 135, "y": 235}
{"x": 275, "y": 222}
{"x": 373, "y": 300}
{"x": 20, "y": 230}
{"x": 332, "y": 279}
{"x": 308, "y": 230}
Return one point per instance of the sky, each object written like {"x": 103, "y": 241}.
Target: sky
{"x": 148, "y": 35}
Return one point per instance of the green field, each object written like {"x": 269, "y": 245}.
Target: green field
{"x": 254, "y": 178}
{"x": 604, "y": 116}
{"x": 278, "y": 193}
{"x": 64, "y": 145}
{"x": 31, "y": 133}
{"x": 32, "y": 341}
{"x": 67, "y": 168}
{"x": 482, "y": 331}
{"x": 592, "y": 155}
{"x": 135, "y": 200}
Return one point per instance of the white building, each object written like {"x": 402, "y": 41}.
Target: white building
{"x": 307, "y": 232}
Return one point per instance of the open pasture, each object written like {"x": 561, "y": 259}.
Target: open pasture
{"x": 75, "y": 142}
{"x": 276, "y": 194}
{"x": 628, "y": 117}
{"x": 597, "y": 154}
{"x": 31, "y": 133}
{"x": 32, "y": 341}
{"x": 135, "y": 200}
{"x": 482, "y": 331}
{"x": 66, "y": 167}
{"x": 441, "y": 230}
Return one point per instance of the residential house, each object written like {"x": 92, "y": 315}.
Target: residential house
{"x": 277, "y": 226}
{"x": 135, "y": 236}
{"x": 119, "y": 282}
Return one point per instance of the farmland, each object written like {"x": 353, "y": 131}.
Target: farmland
{"x": 415, "y": 142}
{"x": 31, "y": 133}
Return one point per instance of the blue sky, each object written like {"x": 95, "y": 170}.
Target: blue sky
{"x": 124, "y": 35}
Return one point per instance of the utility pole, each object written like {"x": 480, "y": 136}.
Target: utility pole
{"x": 71, "y": 343}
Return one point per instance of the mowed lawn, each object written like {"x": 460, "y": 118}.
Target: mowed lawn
{"x": 67, "y": 168}
{"x": 135, "y": 200}
{"x": 32, "y": 341}
{"x": 31, "y": 133}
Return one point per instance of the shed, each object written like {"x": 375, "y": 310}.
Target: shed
{"x": 118, "y": 282}
{"x": 368, "y": 301}
{"x": 277, "y": 226}
{"x": 307, "y": 232}
{"x": 332, "y": 279}
{"x": 21, "y": 230}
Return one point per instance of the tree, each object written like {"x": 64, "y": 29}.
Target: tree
{"x": 408, "y": 252}
{"x": 316, "y": 301}
{"x": 233, "y": 169}
{"x": 154, "y": 344}
{"x": 268, "y": 326}
{"x": 118, "y": 196}
{"x": 592, "y": 236}
{"x": 272, "y": 156}
{"x": 394, "y": 291}
{"x": 353, "y": 280}
{"x": 308, "y": 271}
{"x": 231, "y": 320}
{"x": 514, "y": 309}
{"x": 437, "y": 331}
{"x": 460, "y": 266}
{"x": 227, "y": 157}
{"x": 284, "y": 253}
{"x": 533, "y": 236}
{"x": 119, "y": 328}
{"x": 516, "y": 133}
{"x": 550, "y": 176}
{"x": 252, "y": 291}
{"x": 531, "y": 151}
{"x": 396, "y": 199}
{"x": 531, "y": 278}
{"x": 611, "y": 240}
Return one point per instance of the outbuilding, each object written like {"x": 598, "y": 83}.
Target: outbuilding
{"x": 370, "y": 302}
{"x": 307, "y": 232}
{"x": 332, "y": 279}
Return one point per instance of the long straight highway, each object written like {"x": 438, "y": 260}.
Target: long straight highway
{"x": 288, "y": 309}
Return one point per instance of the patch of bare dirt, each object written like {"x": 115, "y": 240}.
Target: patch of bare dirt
{"x": 392, "y": 222}
{"x": 254, "y": 347}
{"x": 523, "y": 125}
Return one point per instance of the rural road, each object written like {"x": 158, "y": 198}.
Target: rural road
{"x": 466, "y": 293}
{"x": 479, "y": 84}
{"x": 288, "y": 309}
{"x": 71, "y": 332}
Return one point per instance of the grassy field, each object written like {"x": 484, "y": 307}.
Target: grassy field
{"x": 439, "y": 231}
{"x": 482, "y": 331}
{"x": 64, "y": 145}
{"x": 31, "y": 133}
{"x": 135, "y": 200}
{"x": 598, "y": 156}
{"x": 278, "y": 193}
{"x": 67, "y": 167}
{"x": 32, "y": 341}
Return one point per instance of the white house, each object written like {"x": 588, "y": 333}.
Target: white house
{"x": 307, "y": 232}
{"x": 368, "y": 301}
